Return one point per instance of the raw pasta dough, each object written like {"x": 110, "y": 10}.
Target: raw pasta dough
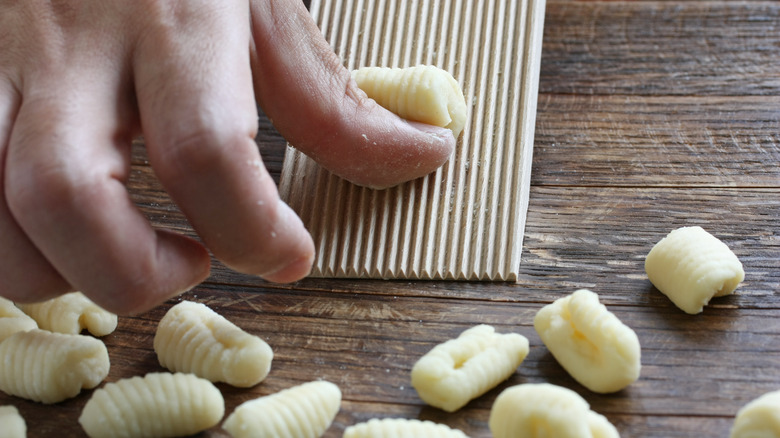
{"x": 192, "y": 338}
{"x": 13, "y": 320}
{"x": 542, "y": 410}
{"x": 12, "y": 424}
{"x": 690, "y": 266}
{"x": 590, "y": 342}
{"x": 422, "y": 93}
{"x": 462, "y": 369}
{"x": 70, "y": 314}
{"x": 303, "y": 411}
{"x": 758, "y": 419}
{"x": 51, "y": 367}
{"x": 401, "y": 428}
{"x": 156, "y": 405}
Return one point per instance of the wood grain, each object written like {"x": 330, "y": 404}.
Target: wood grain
{"x": 652, "y": 115}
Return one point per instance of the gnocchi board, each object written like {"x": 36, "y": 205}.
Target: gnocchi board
{"x": 466, "y": 220}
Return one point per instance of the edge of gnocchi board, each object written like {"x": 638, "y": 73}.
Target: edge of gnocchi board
{"x": 465, "y": 221}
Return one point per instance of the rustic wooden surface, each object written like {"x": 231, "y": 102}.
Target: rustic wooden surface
{"x": 652, "y": 115}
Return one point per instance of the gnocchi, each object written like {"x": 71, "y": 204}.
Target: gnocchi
{"x": 543, "y": 410}
{"x": 690, "y": 266}
{"x": 590, "y": 342}
{"x": 303, "y": 411}
{"x": 12, "y": 424}
{"x": 759, "y": 418}
{"x": 459, "y": 370}
{"x": 70, "y": 314}
{"x": 158, "y": 404}
{"x": 401, "y": 428}
{"x": 13, "y": 320}
{"x": 50, "y": 367}
{"x": 192, "y": 338}
{"x": 422, "y": 93}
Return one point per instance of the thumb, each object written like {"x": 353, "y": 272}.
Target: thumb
{"x": 316, "y": 105}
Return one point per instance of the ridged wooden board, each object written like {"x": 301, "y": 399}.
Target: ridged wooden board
{"x": 466, "y": 220}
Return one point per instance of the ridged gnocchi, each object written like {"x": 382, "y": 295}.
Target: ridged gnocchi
{"x": 192, "y": 338}
{"x": 156, "y": 405}
{"x": 12, "y": 424}
{"x": 690, "y": 266}
{"x": 542, "y": 410}
{"x": 50, "y": 367}
{"x": 13, "y": 320}
{"x": 422, "y": 93}
{"x": 590, "y": 342}
{"x": 401, "y": 428}
{"x": 759, "y": 418}
{"x": 459, "y": 370}
{"x": 70, "y": 314}
{"x": 303, "y": 411}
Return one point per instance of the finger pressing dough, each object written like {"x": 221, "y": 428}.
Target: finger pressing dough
{"x": 590, "y": 342}
{"x": 156, "y": 405}
{"x": 422, "y": 93}
{"x": 542, "y": 410}
{"x": 13, "y": 320}
{"x": 70, "y": 314}
{"x": 690, "y": 266}
{"x": 50, "y": 367}
{"x": 303, "y": 411}
{"x": 462, "y": 369}
{"x": 192, "y": 338}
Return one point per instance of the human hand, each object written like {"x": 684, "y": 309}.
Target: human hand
{"x": 79, "y": 79}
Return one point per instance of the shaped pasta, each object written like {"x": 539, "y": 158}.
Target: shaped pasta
{"x": 459, "y": 370}
{"x": 540, "y": 410}
{"x": 422, "y": 93}
{"x": 192, "y": 338}
{"x": 50, "y": 367}
{"x": 12, "y": 424}
{"x": 401, "y": 428}
{"x": 303, "y": 411}
{"x": 13, "y": 320}
{"x": 690, "y": 266}
{"x": 590, "y": 342}
{"x": 70, "y": 314}
{"x": 759, "y": 418}
{"x": 156, "y": 405}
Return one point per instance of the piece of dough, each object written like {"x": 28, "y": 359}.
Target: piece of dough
{"x": 542, "y": 410}
{"x": 690, "y": 266}
{"x": 461, "y": 369}
{"x": 192, "y": 338}
{"x": 303, "y": 411}
{"x": 50, "y": 367}
{"x": 401, "y": 428}
{"x": 70, "y": 314}
{"x": 422, "y": 93}
{"x": 759, "y": 419}
{"x": 13, "y": 320}
{"x": 12, "y": 424}
{"x": 590, "y": 342}
{"x": 156, "y": 405}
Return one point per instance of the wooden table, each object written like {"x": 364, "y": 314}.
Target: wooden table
{"x": 652, "y": 115}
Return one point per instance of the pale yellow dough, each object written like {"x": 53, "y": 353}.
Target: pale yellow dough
{"x": 462, "y": 369}
{"x": 12, "y": 424}
{"x": 303, "y": 411}
{"x": 192, "y": 338}
{"x": 51, "y": 367}
{"x": 70, "y": 314}
{"x": 759, "y": 419}
{"x": 690, "y": 266}
{"x": 401, "y": 428}
{"x": 590, "y": 342}
{"x": 423, "y": 93}
{"x": 542, "y": 410}
{"x": 13, "y": 320}
{"x": 156, "y": 405}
